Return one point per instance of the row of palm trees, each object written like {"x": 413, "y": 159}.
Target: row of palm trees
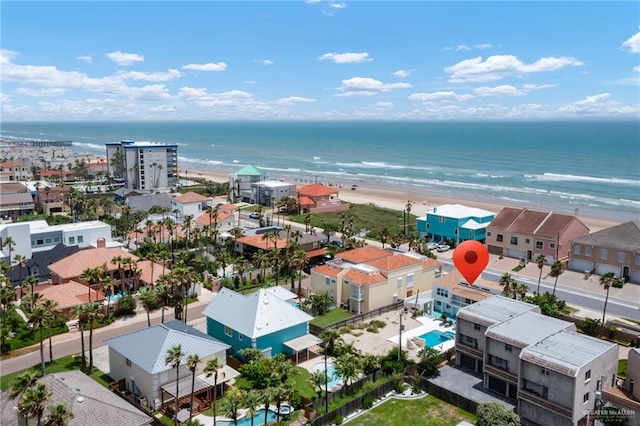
{"x": 33, "y": 398}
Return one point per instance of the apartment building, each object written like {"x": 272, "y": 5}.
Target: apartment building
{"x": 144, "y": 165}
{"x": 451, "y": 292}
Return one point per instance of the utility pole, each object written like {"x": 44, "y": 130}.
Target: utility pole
{"x": 400, "y": 337}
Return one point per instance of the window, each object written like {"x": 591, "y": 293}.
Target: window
{"x": 587, "y": 376}
{"x": 47, "y": 240}
{"x": 455, "y": 231}
{"x": 80, "y": 239}
{"x": 544, "y": 371}
{"x": 40, "y": 242}
{"x": 637, "y": 259}
{"x": 508, "y": 348}
{"x": 410, "y": 281}
{"x": 552, "y": 245}
{"x": 239, "y": 336}
{"x": 33, "y": 243}
{"x": 585, "y": 398}
{"x": 527, "y": 241}
{"x": 476, "y": 326}
{"x": 56, "y": 239}
{"x": 587, "y": 251}
{"x": 514, "y": 241}
{"x": 128, "y": 361}
{"x": 539, "y": 245}
{"x": 604, "y": 253}
{"x": 621, "y": 256}
{"x": 438, "y": 303}
{"x": 72, "y": 240}
{"x": 428, "y": 226}
{"x": 496, "y": 361}
{"x": 327, "y": 281}
{"x": 499, "y": 238}
{"x": 576, "y": 249}
{"x": 442, "y": 292}
{"x": 228, "y": 331}
{"x": 442, "y": 219}
{"x": 488, "y": 233}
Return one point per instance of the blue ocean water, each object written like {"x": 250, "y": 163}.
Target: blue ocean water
{"x": 564, "y": 166}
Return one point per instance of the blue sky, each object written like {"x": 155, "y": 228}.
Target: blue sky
{"x": 319, "y": 60}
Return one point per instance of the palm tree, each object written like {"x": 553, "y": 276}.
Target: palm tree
{"x": 299, "y": 261}
{"x": 348, "y": 367}
{"x": 33, "y": 401}
{"x": 606, "y": 280}
{"x": 231, "y": 403}
{"x": 10, "y": 244}
{"x": 520, "y": 291}
{"x": 508, "y": 285}
{"x": 79, "y": 312}
{"x": 318, "y": 380}
{"x": 192, "y": 364}
{"x": 93, "y": 311}
{"x": 252, "y": 400}
{"x": 267, "y": 395}
{"x": 384, "y": 236}
{"x": 212, "y": 368}
{"x": 108, "y": 285}
{"x": 30, "y": 282}
{"x": 540, "y": 260}
{"x": 281, "y": 393}
{"x": 147, "y": 298}
{"x": 38, "y": 320}
{"x": 59, "y": 415}
{"x": 174, "y": 358}
{"x": 91, "y": 277}
{"x": 329, "y": 337}
{"x": 21, "y": 383}
{"x": 118, "y": 260}
{"x": 557, "y": 269}
{"x": 164, "y": 292}
{"x": 51, "y": 307}
{"x": 21, "y": 261}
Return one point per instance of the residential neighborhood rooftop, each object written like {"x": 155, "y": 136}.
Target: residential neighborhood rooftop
{"x": 625, "y": 236}
{"x": 458, "y": 211}
{"x": 495, "y": 310}
{"x": 527, "y": 329}
{"x": 363, "y": 254}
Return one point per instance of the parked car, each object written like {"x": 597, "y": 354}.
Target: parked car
{"x": 255, "y": 215}
{"x": 443, "y": 247}
{"x": 432, "y": 246}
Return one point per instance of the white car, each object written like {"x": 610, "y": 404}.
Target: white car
{"x": 443, "y": 247}
{"x": 432, "y": 246}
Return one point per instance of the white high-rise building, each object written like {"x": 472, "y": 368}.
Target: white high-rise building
{"x": 144, "y": 165}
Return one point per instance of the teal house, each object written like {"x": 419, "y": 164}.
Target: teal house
{"x": 259, "y": 320}
{"x": 454, "y": 222}
{"x": 240, "y": 182}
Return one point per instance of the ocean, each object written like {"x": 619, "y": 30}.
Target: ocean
{"x": 591, "y": 168}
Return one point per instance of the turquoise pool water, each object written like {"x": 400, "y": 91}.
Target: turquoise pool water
{"x": 435, "y": 337}
{"x": 334, "y": 379}
{"x": 258, "y": 418}
{"x": 114, "y": 297}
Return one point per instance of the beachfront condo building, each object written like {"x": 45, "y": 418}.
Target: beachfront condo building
{"x": 555, "y": 375}
{"x": 144, "y": 165}
{"x": 454, "y": 222}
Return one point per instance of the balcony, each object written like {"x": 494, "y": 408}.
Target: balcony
{"x": 534, "y": 398}
{"x": 500, "y": 373}
{"x": 469, "y": 350}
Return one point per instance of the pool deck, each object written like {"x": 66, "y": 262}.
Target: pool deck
{"x": 428, "y": 324}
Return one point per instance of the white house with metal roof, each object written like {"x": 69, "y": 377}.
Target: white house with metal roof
{"x": 259, "y": 320}
{"x": 138, "y": 358}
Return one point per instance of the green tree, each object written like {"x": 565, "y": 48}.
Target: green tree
{"x": 53, "y": 313}
{"x": 173, "y": 358}
{"x": 212, "y": 368}
{"x": 79, "y": 312}
{"x": 429, "y": 360}
{"x": 557, "y": 269}
{"x": 348, "y": 367}
{"x": 591, "y": 326}
{"x": 508, "y": 285}
{"x": 193, "y": 361}
{"x": 320, "y": 302}
{"x": 33, "y": 402}
{"x": 606, "y": 281}
{"x": 59, "y": 415}
{"x": 318, "y": 380}
{"x": 164, "y": 293}
{"x": 148, "y": 299}
{"x": 93, "y": 312}
{"x": 231, "y": 404}
{"x": 267, "y": 395}
{"x": 38, "y": 320}
{"x": 252, "y": 400}
{"x": 21, "y": 383}
{"x": 540, "y": 260}
{"x": 496, "y": 414}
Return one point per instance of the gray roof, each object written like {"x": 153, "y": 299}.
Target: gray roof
{"x": 254, "y": 315}
{"x": 625, "y": 237}
{"x": 566, "y": 352}
{"x": 148, "y": 347}
{"x": 145, "y": 202}
{"x": 281, "y": 293}
{"x": 91, "y": 403}
{"x": 526, "y": 329}
{"x": 494, "y": 310}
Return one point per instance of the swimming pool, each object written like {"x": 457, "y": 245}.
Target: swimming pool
{"x": 435, "y": 337}
{"x": 334, "y": 379}
{"x": 258, "y": 417}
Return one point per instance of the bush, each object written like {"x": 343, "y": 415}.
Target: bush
{"x": 295, "y": 400}
{"x": 391, "y": 364}
{"x": 338, "y": 419}
{"x": 372, "y": 329}
{"x": 367, "y": 403}
{"x": 126, "y": 305}
{"x": 618, "y": 283}
{"x": 378, "y": 323}
{"x": 496, "y": 414}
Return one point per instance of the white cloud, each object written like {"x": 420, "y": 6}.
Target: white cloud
{"x": 633, "y": 43}
{"x": 40, "y": 92}
{"x": 500, "y": 66}
{"x": 462, "y": 47}
{"x": 402, "y": 73}
{"x": 7, "y": 55}
{"x": 332, "y": 6}
{"x": 264, "y": 61}
{"x": 125, "y": 59}
{"x": 346, "y": 58}
{"x": 85, "y": 58}
{"x": 384, "y": 105}
{"x": 447, "y": 96}
{"x": 600, "y": 105}
{"x": 294, "y": 99}
{"x": 483, "y": 46}
{"x": 250, "y": 82}
{"x": 504, "y": 90}
{"x": 529, "y": 87}
{"x": 149, "y": 76}
{"x": 365, "y": 86}
{"x": 211, "y": 66}
{"x": 636, "y": 68}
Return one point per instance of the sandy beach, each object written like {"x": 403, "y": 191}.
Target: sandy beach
{"x": 397, "y": 200}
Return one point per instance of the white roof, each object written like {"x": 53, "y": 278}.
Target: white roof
{"x": 458, "y": 211}
{"x": 527, "y": 329}
{"x": 281, "y": 292}
{"x": 273, "y": 184}
{"x": 66, "y": 227}
{"x": 472, "y": 224}
{"x": 254, "y": 315}
{"x": 494, "y": 310}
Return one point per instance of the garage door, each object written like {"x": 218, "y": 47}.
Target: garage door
{"x": 603, "y": 269}
{"x": 516, "y": 253}
{"x": 580, "y": 265}
{"x": 635, "y": 277}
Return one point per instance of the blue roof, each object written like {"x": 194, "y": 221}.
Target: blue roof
{"x": 148, "y": 347}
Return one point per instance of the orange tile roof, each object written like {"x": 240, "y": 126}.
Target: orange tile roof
{"x": 73, "y": 266}
{"x": 259, "y": 242}
{"x": 316, "y": 252}
{"x": 431, "y": 263}
{"x": 145, "y": 271}
{"x": 48, "y": 173}
{"x": 363, "y": 254}
{"x": 12, "y": 164}
{"x": 204, "y": 218}
{"x": 315, "y": 190}
{"x": 229, "y": 207}
{"x": 364, "y": 278}
{"x": 389, "y": 263}
{"x": 305, "y": 201}
{"x": 328, "y": 270}
{"x": 190, "y": 197}
{"x": 69, "y": 294}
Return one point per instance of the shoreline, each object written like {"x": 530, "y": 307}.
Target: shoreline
{"x": 396, "y": 199}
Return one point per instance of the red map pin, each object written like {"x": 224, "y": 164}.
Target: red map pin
{"x": 470, "y": 258}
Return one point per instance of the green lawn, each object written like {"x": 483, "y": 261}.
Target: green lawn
{"x": 622, "y": 367}
{"x": 63, "y": 364}
{"x": 427, "y": 411}
{"x": 332, "y": 317}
